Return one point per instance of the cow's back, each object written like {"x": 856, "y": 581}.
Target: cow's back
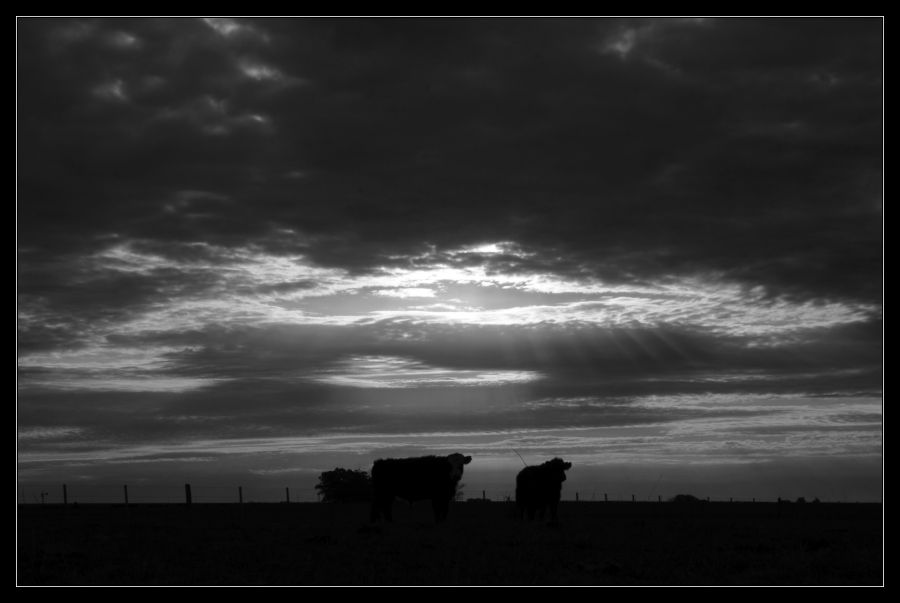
{"x": 525, "y": 477}
{"x": 412, "y": 478}
{"x": 535, "y": 485}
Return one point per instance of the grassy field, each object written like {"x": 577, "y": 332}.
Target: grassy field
{"x": 593, "y": 543}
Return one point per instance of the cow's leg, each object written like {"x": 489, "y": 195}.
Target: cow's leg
{"x": 440, "y": 507}
{"x": 388, "y": 509}
{"x": 553, "y": 507}
{"x": 381, "y": 507}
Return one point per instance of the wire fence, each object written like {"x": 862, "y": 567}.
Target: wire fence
{"x": 175, "y": 493}
{"x": 159, "y": 493}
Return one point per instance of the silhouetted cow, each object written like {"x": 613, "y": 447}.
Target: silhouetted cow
{"x": 421, "y": 478}
{"x": 538, "y": 487}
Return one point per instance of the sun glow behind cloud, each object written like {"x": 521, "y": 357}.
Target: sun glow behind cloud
{"x": 197, "y": 286}
{"x": 249, "y": 285}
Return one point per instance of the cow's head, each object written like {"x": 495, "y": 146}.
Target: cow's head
{"x": 457, "y": 461}
{"x": 559, "y": 467}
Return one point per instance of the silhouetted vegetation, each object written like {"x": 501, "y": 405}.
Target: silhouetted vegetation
{"x": 345, "y": 485}
{"x": 685, "y": 498}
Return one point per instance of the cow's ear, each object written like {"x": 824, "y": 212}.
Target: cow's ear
{"x": 567, "y": 466}
{"x": 467, "y": 460}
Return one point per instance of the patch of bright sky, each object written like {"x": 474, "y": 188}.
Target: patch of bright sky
{"x": 405, "y": 292}
{"x": 124, "y": 40}
{"x": 505, "y": 247}
{"x": 106, "y": 382}
{"x": 113, "y": 91}
{"x": 106, "y": 368}
{"x": 48, "y": 433}
{"x": 98, "y": 358}
{"x": 259, "y": 71}
{"x": 228, "y": 28}
{"x": 392, "y": 372}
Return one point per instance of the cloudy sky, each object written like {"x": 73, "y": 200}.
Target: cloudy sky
{"x": 252, "y": 250}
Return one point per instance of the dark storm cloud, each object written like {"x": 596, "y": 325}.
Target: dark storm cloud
{"x": 629, "y": 149}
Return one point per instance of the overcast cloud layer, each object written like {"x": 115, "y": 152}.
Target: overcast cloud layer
{"x": 340, "y": 239}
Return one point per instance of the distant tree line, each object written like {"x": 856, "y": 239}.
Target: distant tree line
{"x": 690, "y": 498}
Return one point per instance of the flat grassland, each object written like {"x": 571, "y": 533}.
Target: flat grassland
{"x": 619, "y": 543}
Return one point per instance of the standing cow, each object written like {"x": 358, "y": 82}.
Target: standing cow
{"x": 421, "y": 478}
{"x": 538, "y": 488}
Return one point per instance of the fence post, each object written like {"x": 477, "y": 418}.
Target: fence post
{"x": 483, "y": 495}
{"x": 576, "y": 497}
{"x": 65, "y": 495}
{"x": 659, "y": 498}
{"x": 730, "y": 499}
{"x": 287, "y": 494}
{"x": 241, "y": 494}
{"x": 187, "y": 494}
{"x": 754, "y": 499}
{"x": 605, "y": 498}
{"x": 125, "y": 487}
{"x": 632, "y": 498}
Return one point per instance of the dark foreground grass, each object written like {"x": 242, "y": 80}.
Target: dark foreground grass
{"x": 327, "y": 544}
